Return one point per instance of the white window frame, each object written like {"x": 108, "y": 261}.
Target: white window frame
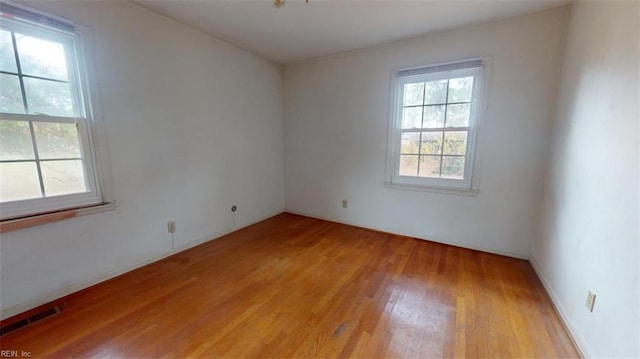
{"x": 84, "y": 106}
{"x": 467, "y": 185}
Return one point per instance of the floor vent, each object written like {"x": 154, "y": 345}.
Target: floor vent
{"x": 32, "y": 319}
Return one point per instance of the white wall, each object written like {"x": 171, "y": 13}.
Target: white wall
{"x": 589, "y": 224}
{"x": 193, "y": 124}
{"x": 336, "y": 122}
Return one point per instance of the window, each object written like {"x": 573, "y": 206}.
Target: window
{"x": 433, "y": 126}
{"x": 46, "y": 158}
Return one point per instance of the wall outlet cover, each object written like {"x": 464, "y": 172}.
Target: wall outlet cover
{"x": 591, "y": 301}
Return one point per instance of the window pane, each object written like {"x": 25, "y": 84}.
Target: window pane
{"x": 19, "y": 180}
{"x": 412, "y": 117}
{"x": 435, "y": 92}
{"x": 41, "y": 57}
{"x": 63, "y": 177}
{"x": 431, "y": 143}
{"x": 57, "y": 140}
{"x": 460, "y": 89}
{"x": 7, "y": 57}
{"x": 48, "y": 97}
{"x": 455, "y": 143}
{"x": 433, "y": 117}
{"x": 458, "y": 115}
{"x": 410, "y": 143}
{"x": 408, "y": 165}
{"x": 10, "y": 94}
{"x": 413, "y": 94}
{"x": 453, "y": 167}
{"x": 429, "y": 166}
{"x": 15, "y": 141}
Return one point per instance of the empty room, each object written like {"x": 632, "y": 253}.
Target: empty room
{"x": 319, "y": 178}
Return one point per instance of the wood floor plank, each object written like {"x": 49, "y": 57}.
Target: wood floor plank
{"x": 293, "y": 286}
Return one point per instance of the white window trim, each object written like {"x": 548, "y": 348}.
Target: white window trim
{"x": 467, "y": 187}
{"x": 90, "y": 126}
{"x": 93, "y": 107}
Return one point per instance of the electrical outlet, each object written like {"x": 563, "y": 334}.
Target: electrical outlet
{"x": 591, "y": 300}
{"x": 345, "y": 204}
{"x": 171, "y": 226}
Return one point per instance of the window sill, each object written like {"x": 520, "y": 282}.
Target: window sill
{"x": 443, "y": 190}
{"x": 38, "y": 219}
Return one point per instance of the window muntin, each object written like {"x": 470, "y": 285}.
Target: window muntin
{"x": 433, "y": 130}
{"x": 46, "y": 161}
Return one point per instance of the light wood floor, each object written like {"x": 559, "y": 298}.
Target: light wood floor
{"x": 293, "y": 286}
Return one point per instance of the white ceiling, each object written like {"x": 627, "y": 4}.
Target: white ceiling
{"x": 300, "y": 31}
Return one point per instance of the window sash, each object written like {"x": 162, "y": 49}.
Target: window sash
{"x": 81, "y": 116}
{"x": 69, "y": 44}
{"x": 425, "y": 74}
{"x": 43, "y": 204}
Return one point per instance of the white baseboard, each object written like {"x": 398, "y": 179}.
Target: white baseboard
{"x": 580, "y": 345}
{"x": 475, "y": 248}
{"x": 23, "y": 307}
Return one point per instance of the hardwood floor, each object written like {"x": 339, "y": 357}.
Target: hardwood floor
{"x": 293, "y": 286}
